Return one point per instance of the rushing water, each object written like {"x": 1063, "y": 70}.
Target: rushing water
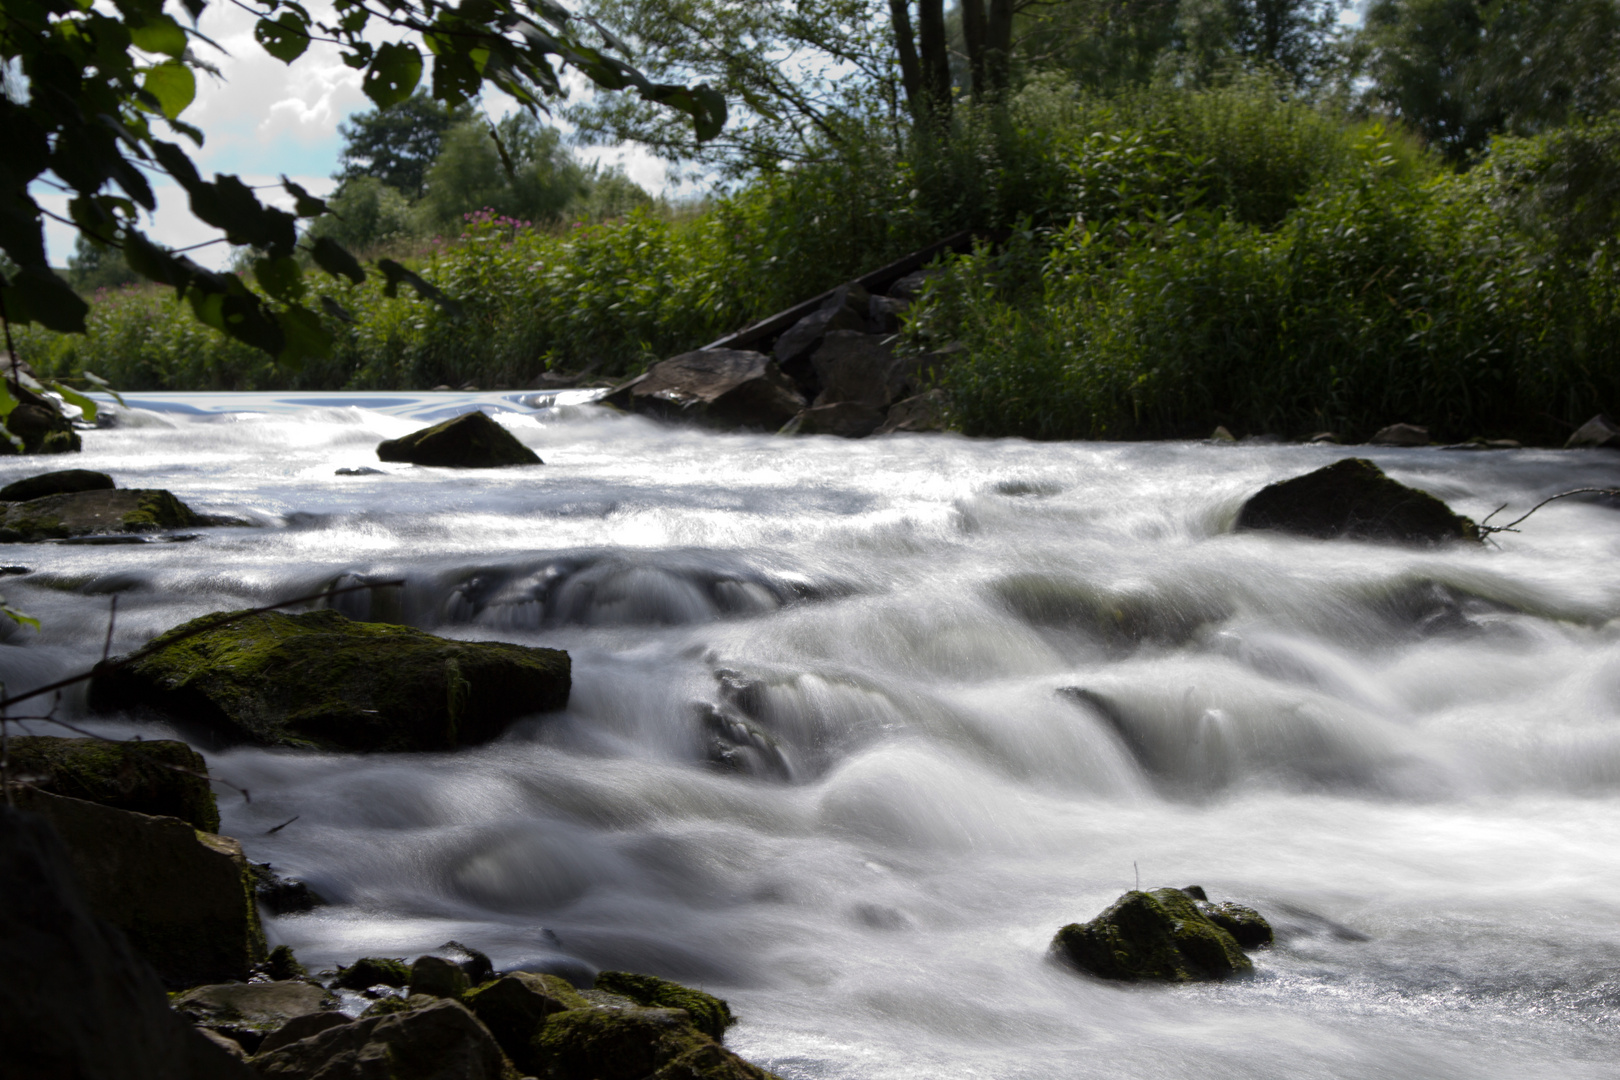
{"x": 1409, "y": 760}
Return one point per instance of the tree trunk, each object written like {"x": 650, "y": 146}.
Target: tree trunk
{"x": 973, "y": 33}
{"x": 910, "y": 71}
{"x": 998, "y": 46}
{"x": 936, "y": 60}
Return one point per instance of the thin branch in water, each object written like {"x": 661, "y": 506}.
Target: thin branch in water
{"x": 283, "y": 825}
{"x": 112, "y": 620}
{"x": 1487, "y": 529}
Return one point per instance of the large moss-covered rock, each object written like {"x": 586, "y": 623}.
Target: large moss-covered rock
{"x": 1352, "y": 499}
{"x": 438, "y": 977}
{"x": 248, "y": 1012}
{"x": 184, "y": 898}
{"x": 56, "y": 483}
{"x": 38, "y": 422}
{"x": 514, "y": 1008}
{"x": 709, "y": 1014}
{"x": 75, "y": 999}
{"x": 95, "y": 513}
{"x": 319, "y": 680}
{"x": 162, "y": 777}
{"x": 369, "y": 971}
{"x": 633, "y": 1044}
{"x": 469, "y": 441}
{"x": 1159, "y": 936}
{"x": 442, "y": 1041}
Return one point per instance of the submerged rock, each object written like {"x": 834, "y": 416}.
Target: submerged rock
{"x": 75, "y": 999}
{"x": 184, "y": 898}
{"x": 438, "y": 1042}
{"x": 87, "y": 513}
{"x": 162, "y": 777}
{"x": 248, "y": 1012}
{"x": 321, "y": 681}
{"x": 61, "y": 482}
{"x": 1159, "y": 936}
{"x": 469, "y": 441}
{"x": 1352, "y": 499}
{"x": 730, "y": 388}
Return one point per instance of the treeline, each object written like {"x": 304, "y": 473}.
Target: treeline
{"x": 1228, "y": 212}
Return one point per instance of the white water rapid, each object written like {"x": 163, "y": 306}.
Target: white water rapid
{"x": 1409, "y": 760}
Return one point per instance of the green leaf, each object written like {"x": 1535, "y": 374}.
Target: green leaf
{"x": 307, "y": 337}
{"x": 332, "y": 257}
{"x": 7, "y": 609}
{"x": 104, "y": 385}
{"x": 285, "y": 37}
{"x": 281, "y": 277}
{"x": 394, "y": 72}
{"x": 36, "y": 295}
{"x": 336, "y": 310}
{"x": 173, "y": 85}
{"x": 397, "y": 274}
{"x": 73, "y": 397}
{"x": 304, "y": 204}
{"x": 159, "y": 34}
{"x": 7, "y": 402}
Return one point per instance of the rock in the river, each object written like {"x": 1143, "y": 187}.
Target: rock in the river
{"x": 319, "y": 680}
{"x": 1247, "y": 926}
{"x": 515, "y": 1006}
{"x": 847, "y": 308}
{"x": 469, "y": 441}
{"x": 1401, "y": 435}
{"x": 88, "y": 513}
{"x": 283, "y": 895}
{"x": 846, "y": 419}
{"x": 442, "y": 1041}
{"x": 162, "y": 777}
{"x": 247, "y": 1012}
{"x": 1598, "y": 431}
{"x": 62, "y": 482}
{"x": 719, "y": 387}
{"x": 709, "y": 1014}
{"x": 633, "y": 1044}
{"x": 860, "y": 368}
{"x": 921, "y": 412}
{"x": 473, "y": 963}
{"x": 1159, "y": 936}
{"x": 438, "y": 977}
{"x": 39, "y": 423}
{"x": 183, "y": 897}
{"x": 369, "y": 971}
{"x": 1353, "y": 499}
{"x": 75, "y": 999}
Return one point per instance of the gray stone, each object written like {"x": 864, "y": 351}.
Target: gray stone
{"x": 56, "y": 483}
{"x": 438, "y": 977}
{"x": 163, "y": 777}
{"x": 469, "y": 441}
{"x": 911, "y": 286}
{"x": 1401, "y": 435}
{"x": 884, "y": 313}
{"x": 728, "y": 388}
{"x": 845, "y": 309}
{"x": 96, "y": 513}
{"x": 442, "y": 1041}
{"x": 248, "y": 1012}
{"x": 859, "y": 368}
{"x": 184, "y": 897}
{"x": 76, "y": 1000}
{"x": 1352, "y": 499}
{"x": 848, "y": 419}
{"x": 302, "y": 1027}
{"x": 515, "y": 1006}
{"x": 921, "y": 412}
{"x": 1598, "y": 431}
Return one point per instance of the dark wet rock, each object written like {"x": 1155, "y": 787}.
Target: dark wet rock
{"x": 1247, "y": 926}
{"x": 515, "y": 1006}
{"x": 1121, "y": 620}
{"x": 369, "y": 971}
{"x": 88, "y": 513}
{"x": 734, "y": 744}
{"x": 183, "y": 897}
{"x": 709, "y": 1014}
{"x": 321, "y": 681}
{"x": 860, "y": 368}
{"x": 438, "y": 977}
{"x": 442, "y": 1041}
{"x": 727, "y": 388}
{"x": 364, "y": 470}
{"x": 302, "y": 1027}
{"x": 283, "y": 895}
{"x": 1158, "y": 936}
{"x": 62, "y": 482}
{"x": 282, "y": 963}
{"x": 1401, "y": 435}
{"x": 1352, "y": 499}
{"x": 911, "y": 286}
{"x": 634, "y": 1044}
{"x": 846, "y": 419}
{"x": 920, "y": 412}
{"x": 1598, "y": 431}
{"x": 76, "y": 999}
{"x": 247, "y": 1012}
{"x": 224, "y": 1042}
{"x": 161, "y": 777}
{"x": 469, "y": 441}
{"x": 473, "y": 963}
{"x": 39, "y": 423}
{"x": 848, "y": 308}
{"x": 884, "y": 313}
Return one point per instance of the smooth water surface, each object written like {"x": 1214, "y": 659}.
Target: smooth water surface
{"x": 856, "y": 726}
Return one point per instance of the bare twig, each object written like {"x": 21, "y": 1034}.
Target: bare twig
{"x": 283, "y": 825}
{"x": 1486, "y": 529}
{"x": 112, "y": 620}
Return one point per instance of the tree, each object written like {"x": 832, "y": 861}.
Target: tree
{"x": 93, "y": 267}
{"x": 523, "y": 171}
{"x": 364, "y": 215}
{"x": 102, "y": 84}
{"x": 398, "y": 144}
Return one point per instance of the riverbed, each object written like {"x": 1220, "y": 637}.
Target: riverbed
{"x": 857, "y": 725}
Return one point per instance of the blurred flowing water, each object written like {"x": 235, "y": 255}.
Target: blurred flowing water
{"x": 856, "y": 726}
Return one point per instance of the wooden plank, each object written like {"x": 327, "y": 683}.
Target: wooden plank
{"x": 877, "y": 281}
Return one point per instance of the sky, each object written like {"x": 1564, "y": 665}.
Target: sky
{"x": 264, "y": 118}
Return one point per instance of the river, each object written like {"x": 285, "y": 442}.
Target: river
{"x": 823, "y": 757}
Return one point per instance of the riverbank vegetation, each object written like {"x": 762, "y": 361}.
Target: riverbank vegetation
{"x": 1259, "y": 219}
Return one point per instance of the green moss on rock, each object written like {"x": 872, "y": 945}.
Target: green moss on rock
{"x": 633, "y": 1044}
{"x": 1246, "y": 925}
{"x": 369, "y": 971}
{"x": 514, "y": 1008}
{"x": 319, "y": 680}
{"x": 161, "y": 777}
{"x": 438, "y": 977}
{"x": 1157, "y": 936}
{"x": 710, "y": 1015}
{"x": 94, "y": 513}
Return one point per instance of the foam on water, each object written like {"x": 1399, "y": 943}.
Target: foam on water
{"x": 959, "y": 690}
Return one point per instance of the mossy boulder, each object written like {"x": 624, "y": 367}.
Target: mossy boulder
{"x": 1158, "y": 936}
{"x": 438, "y": 977}
{"x": 633, "y": 1044}
{"x": 469, "y": 441}
{"x": 95, "y": 513}
{"x": 321, "y": 681}
{"x": 709, "y": 1014}
{"x": 161, "y": 777}
{"x": 369, "y": 971}
{"x": 515, "y": 1006}
{"x": 1247, "y": 926}
{"x": 183, "y": 897}
{"x": 38, "y": 422}
{"x": 438, "y": 1042}
{"x": 248, "y": 1012}
{"x": 61, "y": 482}
{"x": 1352, "y": 499}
